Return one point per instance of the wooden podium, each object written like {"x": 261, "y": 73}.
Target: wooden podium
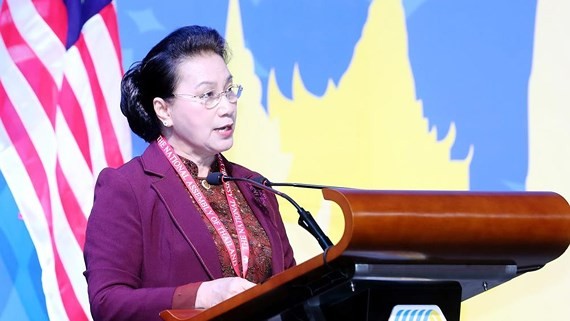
{"x": 408, "y": 247}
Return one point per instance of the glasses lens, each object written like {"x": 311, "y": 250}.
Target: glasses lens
{"x": 233, "y": 93}
{"x": 212, "y": 101}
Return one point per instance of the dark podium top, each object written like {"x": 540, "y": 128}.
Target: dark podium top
{"x": 475, "y": 239}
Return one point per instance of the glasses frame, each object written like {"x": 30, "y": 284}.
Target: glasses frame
{"x": 215, "y": 98}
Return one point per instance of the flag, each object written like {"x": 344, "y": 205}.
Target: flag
{"x": 60, "y": 124}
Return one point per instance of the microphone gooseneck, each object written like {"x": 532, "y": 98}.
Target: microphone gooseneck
{"x": 266, "y": 182}
{"x": 306, "y": 220}
{"x": 262, "y": 180}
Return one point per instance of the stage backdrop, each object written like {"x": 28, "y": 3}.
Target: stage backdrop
{"x": 384, "y": 94}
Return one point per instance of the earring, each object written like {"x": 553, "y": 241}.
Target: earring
{"x": 165, "y": 123}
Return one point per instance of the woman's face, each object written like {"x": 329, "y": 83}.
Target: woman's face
{"x": 198, "y": 132}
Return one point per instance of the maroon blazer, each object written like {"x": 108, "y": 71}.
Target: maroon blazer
{"x": 145, "y": 237}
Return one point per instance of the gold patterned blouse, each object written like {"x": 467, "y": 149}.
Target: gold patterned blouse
{"x": 259, "y": 268}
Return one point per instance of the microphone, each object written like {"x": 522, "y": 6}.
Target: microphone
{"x": 306, "y": 220}
{"x": 266, "y": 182}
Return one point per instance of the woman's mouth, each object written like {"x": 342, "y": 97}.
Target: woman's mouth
{"x": 225, "y": 131}
{"x": 224, "y": 128}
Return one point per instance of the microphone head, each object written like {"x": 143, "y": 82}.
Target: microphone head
{"x": 215, "y": 178}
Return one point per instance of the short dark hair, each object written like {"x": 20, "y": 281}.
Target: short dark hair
{"x": 156, "y": 76}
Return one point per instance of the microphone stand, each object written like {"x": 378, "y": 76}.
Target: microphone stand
{"x": 306, "y": 220}
{"x": 266, "y": 182}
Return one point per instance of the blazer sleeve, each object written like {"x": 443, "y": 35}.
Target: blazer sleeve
{"x": 113, "y": 255}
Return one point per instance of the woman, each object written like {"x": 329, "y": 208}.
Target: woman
{"x": 159, "y": 237}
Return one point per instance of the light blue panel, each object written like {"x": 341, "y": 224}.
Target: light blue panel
{"x": 21, "y": 294}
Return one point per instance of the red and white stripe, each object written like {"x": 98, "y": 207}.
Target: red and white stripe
{"x": 60, "y": 125}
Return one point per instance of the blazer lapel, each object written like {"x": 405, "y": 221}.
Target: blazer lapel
{"x": 182, "y": 211}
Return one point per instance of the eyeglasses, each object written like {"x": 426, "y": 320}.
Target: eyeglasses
{"x": 211, "y": 100}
